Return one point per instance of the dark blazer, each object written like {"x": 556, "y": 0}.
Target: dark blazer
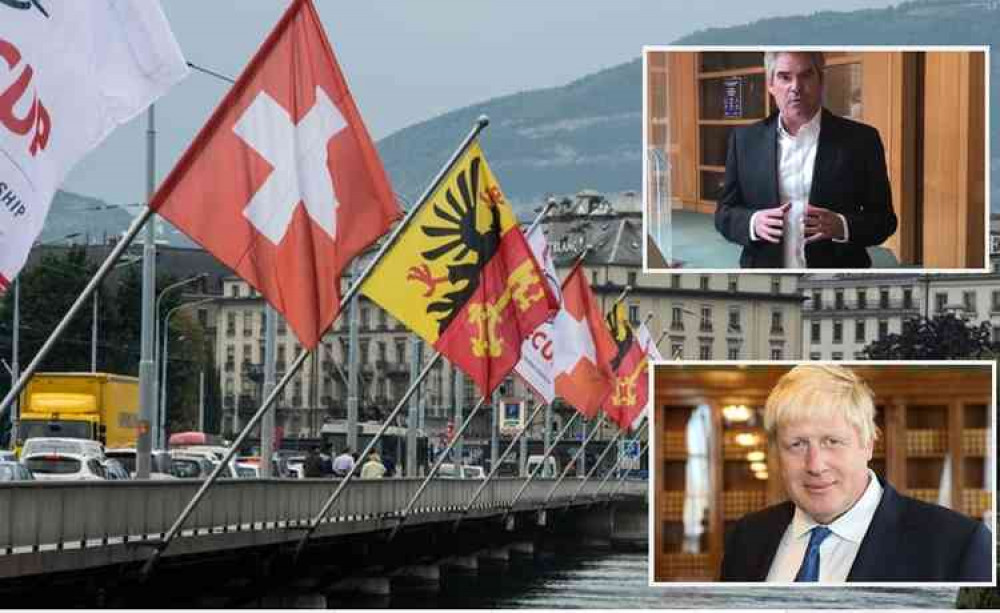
{"x": 908, "y": 540}
{"x": 849, "y": 177}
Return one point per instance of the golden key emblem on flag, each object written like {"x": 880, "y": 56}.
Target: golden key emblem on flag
{"x": 524, "y": 288}
{"x": 624, "y": 394}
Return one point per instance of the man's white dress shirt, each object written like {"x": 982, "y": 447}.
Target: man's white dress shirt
{"x": 837, "y": 553}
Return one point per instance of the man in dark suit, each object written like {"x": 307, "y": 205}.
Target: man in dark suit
{"x": 843, "y": 523}
{"x": 804, "y": 188}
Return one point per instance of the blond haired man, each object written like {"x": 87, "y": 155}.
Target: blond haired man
{"x": 842, "y": 522}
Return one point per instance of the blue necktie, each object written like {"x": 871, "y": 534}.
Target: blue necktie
{"x": 809, "y": 571}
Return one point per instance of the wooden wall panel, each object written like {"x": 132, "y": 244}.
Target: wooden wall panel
{"x": 954, "y": 167}
{"x": 683, "y": 104}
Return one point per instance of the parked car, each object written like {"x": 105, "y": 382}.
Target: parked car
{"x": 196, "y": 465}
{"x": 42, "y": 445}
{"x": 8, "y": 456}
{"x": 13, "y": 471}
{"x": 448, "y": 471}
{"x": 114, "y": 470}
{"x": 65, "y": 466}
{"x": 160, "y": 463}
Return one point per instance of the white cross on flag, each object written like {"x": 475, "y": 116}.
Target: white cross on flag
{"x": 283, "y": 183}
{"x": 70, "y": 73}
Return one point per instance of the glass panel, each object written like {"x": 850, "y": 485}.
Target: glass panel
{"x": 737, "y": 97}
{"x": 842, "y": 90}
{"x": 714, "y": 61}
{"x": 714, "y": 142}
{"x": 711, "y": 184}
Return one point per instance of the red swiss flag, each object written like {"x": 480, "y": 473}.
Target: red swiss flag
{"x": 283, "y": 183}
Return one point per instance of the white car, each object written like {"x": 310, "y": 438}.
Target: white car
{"x": 448, "y": 471}
{"x": 64, "y": 466}
{"x": 40, "y": 445}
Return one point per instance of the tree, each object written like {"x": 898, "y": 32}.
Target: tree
{"x": 945, "y": 336}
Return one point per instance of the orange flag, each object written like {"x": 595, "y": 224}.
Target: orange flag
{"x": 630, "y": 365}
{"x": 283, "y": 183}
{"x": 583, "y": 348}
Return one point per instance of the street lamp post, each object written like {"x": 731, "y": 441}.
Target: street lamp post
{"x": 162, "y": 413}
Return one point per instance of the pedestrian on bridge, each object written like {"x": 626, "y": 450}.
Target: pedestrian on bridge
{"x": 312, "y": 467}
{"x": 344, "y": 463}
{"x": 373, "y": 468}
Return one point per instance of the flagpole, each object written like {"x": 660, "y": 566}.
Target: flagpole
{"x": 437, "y": 464}
{"x": 617, "y": 464}
{"x": 496, "y": 467}
{"x": 151, "y": 562}
{"x": 593, "y": 469}
{"x": 314, "y": 522}
{"x": 414, "y": 385}
{"x": 621, "y": 481}
{"x": 538, "y": 467}
{"x": 581, "y": 451}
{"x": 81, "y": 300}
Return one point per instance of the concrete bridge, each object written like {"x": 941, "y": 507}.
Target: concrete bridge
{"x": 82, "y": 543}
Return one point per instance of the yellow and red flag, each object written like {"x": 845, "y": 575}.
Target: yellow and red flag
{"x": 630, "y": 365}
{"x": 463, "y": 277}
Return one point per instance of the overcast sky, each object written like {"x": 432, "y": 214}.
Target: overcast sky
{"x": 410, "y": 60}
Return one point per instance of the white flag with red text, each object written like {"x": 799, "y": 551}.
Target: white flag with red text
{"x": 537, "y": 365}
{"x": 70, "y": 72}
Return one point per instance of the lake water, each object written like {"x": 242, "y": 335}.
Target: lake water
{"x": 617, "y": 580}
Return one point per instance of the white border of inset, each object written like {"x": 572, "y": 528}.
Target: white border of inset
{"x": 647, "y": 49}
{"x": 653, "y": 451}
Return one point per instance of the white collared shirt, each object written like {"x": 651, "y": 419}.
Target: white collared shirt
{"x": 796, "y": 159}
{"x": 837, "y": 553}
{"x": 796, "y": 162}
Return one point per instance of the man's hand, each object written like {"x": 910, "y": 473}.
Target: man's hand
{"x": 768, "y": 223}
{"x": 822, "y": 224}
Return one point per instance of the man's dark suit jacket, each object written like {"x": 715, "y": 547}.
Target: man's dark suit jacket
{"x": 849, "y": 177}
{"x": 908, "y": 540}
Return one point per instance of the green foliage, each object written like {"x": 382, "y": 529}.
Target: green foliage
{"x": 945, "y": 336}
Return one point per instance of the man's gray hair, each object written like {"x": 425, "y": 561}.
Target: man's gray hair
{"x": 771, "y": 58}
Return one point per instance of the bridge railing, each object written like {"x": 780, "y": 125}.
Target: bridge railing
{"x": 52, "y": 514}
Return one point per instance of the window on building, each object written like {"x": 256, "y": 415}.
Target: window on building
{"x": 675, "y": 281}
{"x": 282, "y": 326}
{"x": 703, "y": 282}
{"x": 969, "y": 301}
{"x": 281, "y": 354}
{"x": 837, "y": 356}
{"x": 400, "y": 350}
{"x": 203, "y": 318}
{"x": 734, "y": 283}
{"x": 230, "y": 386}
{"x": 677, "y": 318}
{"x": 247, "y": 352}
{"x": 775, "y": 284}
{"x": 838, "y": 299}
{"x": 941, "y": 300}
{"x": 734, "y": 319}
{"x": 365, "y": 314}
{"x": 676, "y": 350}
{"x": 633, "y": 279}
{"x": 380, "y": 347}
{"x": 838, "y": 331}
{"x": 777, "y": 326}
{"x": 382, "y": 319}
{"x": 862, "y": 299}
{"x": 815, "y": 355}
{"x": 883, "y": 328}
{"x": 814, "y": 332}
{"x": 776, "y": 353}
{"x": 230, "y": 354}
{"x": 230, "y": 324}
{"x": 633, "y": 314}
{"x": 705, "y": 351}
{"x": 234, "y": 290}
{"x": 995, "y": 302}
{"x": 247, "y": 323}
{"x": 996, "y": 334}
{"x": 593, "y": 277}
{"x": 734, "y": 352}
{"x": 859, "y": 331}
{"x": 907, "y": 298}
{"x": 817, "y": 300}
{"x": 706, "y": 319}
{"x": 883, "y": 298}
{"x": 363, "y": 345}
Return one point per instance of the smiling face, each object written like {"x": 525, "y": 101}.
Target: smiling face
{"x": 797, "y": 88}
{"x": 824, "y": 465}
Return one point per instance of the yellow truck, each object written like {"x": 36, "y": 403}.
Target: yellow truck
{"x": 96, "y": 406}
